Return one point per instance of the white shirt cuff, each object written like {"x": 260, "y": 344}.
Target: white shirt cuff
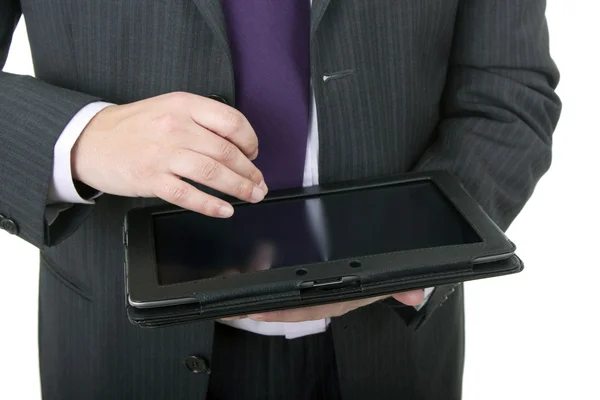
{"x": 62, "y": 188}
{"x": 291, "y": 330}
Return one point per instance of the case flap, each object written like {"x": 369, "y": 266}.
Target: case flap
{"x": 228, "y": 305}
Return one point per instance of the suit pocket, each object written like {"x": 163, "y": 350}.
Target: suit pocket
{"x": 63, "y": 277}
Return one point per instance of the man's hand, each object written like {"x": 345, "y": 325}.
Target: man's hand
{"x": 143, "y": 149}
{"x": 411, "y": 298}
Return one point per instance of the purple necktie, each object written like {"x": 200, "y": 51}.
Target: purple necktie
{"x": 269, "y": 40}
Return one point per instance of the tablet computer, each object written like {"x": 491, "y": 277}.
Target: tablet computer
{"x": 313, "y": 246}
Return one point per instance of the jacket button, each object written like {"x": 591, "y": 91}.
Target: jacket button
{"x": 197, "y": 365}
{"x": 218, "y": 98}
{"x": 9, "y": 225}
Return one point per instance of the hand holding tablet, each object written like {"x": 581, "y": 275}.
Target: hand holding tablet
{"x": 410, "y": 298}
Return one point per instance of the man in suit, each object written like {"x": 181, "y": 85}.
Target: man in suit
{"x": 244, "y": 96}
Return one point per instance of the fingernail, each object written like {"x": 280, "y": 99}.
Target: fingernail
{"x": 226, "y": 211}
{"x": 257, "y": 194}
{"x": 263, "y": 186}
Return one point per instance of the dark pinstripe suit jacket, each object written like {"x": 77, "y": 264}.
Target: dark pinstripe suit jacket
{"x": 462, "y": 85}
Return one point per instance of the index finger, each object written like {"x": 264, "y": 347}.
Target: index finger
{"x": 226, "y": 122}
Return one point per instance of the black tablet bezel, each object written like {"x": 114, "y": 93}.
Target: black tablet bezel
{"x": 143, "y": 289}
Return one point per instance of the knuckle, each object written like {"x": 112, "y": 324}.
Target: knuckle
{"x": 234, "y": 121}
{"x": 227, "y": 151}
{"x": 204, "y": 207}
{"x": 178, "y": 98}
{"x": 255, "y": 175}
{"x": 253, "y": 146}
{"x": 175, "y": 193}
{"x": 209, "y": 170}
{"x": 244, "y": 190}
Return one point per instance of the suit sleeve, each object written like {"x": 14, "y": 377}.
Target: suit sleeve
{"x": 33, "y": 114}
{"x": 499, "y": 109}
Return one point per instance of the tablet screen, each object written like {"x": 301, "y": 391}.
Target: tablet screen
{"x": 292, "y": 233}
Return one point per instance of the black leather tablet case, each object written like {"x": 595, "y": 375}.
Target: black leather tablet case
{"x": 283, "y": 298}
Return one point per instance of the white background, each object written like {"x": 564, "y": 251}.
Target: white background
{"x": 534, "y": 335}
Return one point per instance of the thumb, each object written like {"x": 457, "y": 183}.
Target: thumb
{"x": 410, "y": 298}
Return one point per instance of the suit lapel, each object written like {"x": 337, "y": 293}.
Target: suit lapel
{"x": 212, "y": 12}
{"x": 318, "y": 10}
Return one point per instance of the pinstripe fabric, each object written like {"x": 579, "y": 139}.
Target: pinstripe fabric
{"x": 259, "y": 367}
{"x": 478, "y": 100}
{"x": 462, "y": 85}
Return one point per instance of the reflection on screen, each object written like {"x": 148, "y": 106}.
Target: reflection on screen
{"x": 191, "y": 246}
